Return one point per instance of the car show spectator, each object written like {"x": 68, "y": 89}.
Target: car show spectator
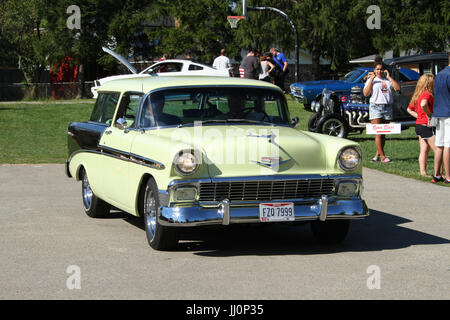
{"x": 222, "y": 61}
{"x": 379, "y": 87}
{"x": 187, "y": 55}
{"x": 251, "y": 65}
{"x": 266, "y": 67}
{"x": 282, "y": 63}
{"x": 163, "y": 68}
{"x": 421, "y": 108}
{"x": 441, "y": 112}
{"x": 165, "y": 56}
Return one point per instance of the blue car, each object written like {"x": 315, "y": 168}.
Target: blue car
{"x": 309, "y": 91}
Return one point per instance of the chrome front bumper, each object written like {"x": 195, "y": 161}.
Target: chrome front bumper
{"x": 225, "y": 212}
{"x": 299, "y": 98}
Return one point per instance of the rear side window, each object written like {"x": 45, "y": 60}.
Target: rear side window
{"x": 104, "y": 107}
{"x": 195, "y": 67}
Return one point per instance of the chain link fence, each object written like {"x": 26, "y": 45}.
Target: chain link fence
{"x": 41, "y": 91}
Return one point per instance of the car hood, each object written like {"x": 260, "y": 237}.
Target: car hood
{"x": 241, "y": 150}
{"x": 319, "y": 83}
{"x": 121, "y": 59}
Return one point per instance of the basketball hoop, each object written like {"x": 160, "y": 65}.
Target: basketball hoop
{"x": 233, "y": 20}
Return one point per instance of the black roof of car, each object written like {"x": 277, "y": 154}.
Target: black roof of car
{"x": 418, "y": 58}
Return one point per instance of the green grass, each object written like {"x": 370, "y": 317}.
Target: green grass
{"x": 37, "y": 133}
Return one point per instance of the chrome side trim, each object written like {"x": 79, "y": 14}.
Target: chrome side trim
{"x": 124, "y": 157}
{"x": 131, "y": 157}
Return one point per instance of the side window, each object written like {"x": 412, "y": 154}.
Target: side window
{"x": 167, "y": 67}
{"x": 128, "y": 109}
{"x": 195, "y": 67}
{"x": 104, "y": 107}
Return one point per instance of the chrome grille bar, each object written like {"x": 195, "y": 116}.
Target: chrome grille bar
{"x": 265, "y": 190}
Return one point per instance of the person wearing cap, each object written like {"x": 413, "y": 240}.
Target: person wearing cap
{"x": 282, "y": 64}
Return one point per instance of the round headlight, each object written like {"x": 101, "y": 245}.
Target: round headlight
{"x": 349, "y": 158}
{"x": 186, "y": 162}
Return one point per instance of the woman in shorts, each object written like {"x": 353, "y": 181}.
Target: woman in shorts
{"x": 379, "y": 87}
{"x": 421, "y": 107}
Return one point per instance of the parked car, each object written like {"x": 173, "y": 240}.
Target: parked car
{"x": 166, "y": 68}
{"x": 339, "y": 114}
{"x": 199, "y": 151}
{"x": 310, "y": 91}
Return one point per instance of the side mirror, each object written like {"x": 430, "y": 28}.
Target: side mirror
{"x": 295, "y": 122}
{"x": 121, "y": 124}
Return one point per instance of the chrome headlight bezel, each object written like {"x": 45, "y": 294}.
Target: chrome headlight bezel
{"x": 340, "y": 184}
{"x": 182, "y": 159}
{"x": 178, "y": 197}
{"x": 346, "y": 163}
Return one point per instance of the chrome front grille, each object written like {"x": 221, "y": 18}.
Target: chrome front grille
{"x": 266, "y": 190}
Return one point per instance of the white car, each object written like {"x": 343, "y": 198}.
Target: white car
{"x": 172, "y": 67}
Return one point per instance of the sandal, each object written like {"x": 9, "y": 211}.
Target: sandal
{"x": 436, "y": 179}
{"x": 386, "y": 160}
{"x": 446, "y": 181}
{"x": 375, "y": 159}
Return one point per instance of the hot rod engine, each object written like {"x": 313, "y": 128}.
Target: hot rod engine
{"x": 356, "y": 108}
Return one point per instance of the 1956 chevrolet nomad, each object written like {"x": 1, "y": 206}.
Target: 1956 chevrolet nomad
{"x": 193, "y": 151}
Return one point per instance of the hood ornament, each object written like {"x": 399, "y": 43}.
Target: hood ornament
{"x": 271, "y": 136}
{"x": 270, "y": 162}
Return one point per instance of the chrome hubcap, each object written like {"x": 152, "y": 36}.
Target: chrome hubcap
{"x": 150, "y": 211}
{"x": 333, "y": 128}
{"x": 87, "y": 193}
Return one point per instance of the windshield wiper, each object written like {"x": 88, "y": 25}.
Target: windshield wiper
{"x": 249, "y": 121}
{"x": 201, "y": 122}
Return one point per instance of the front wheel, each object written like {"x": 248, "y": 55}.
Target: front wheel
{"x": 330, "y": 232}
{"x": 313, "y": 122}
{"x": 158, "y": 236}
{"x": 333, "y": 125}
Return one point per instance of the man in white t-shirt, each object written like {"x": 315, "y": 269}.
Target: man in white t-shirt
{"x": 379, "y": 87}
{"x": 222, "y": 62}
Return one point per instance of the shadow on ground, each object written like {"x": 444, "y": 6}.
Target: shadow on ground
{"x": 380, "y": 231}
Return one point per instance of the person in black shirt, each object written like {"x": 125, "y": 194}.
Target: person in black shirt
{"x": 251, "y": 65}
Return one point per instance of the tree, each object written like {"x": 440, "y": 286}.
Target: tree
{"x": 325, "y": 28}
{"x": 22, "y": 28}
{"x": 409, "y": 25}
{"x": 329, "y": 30}
{"x": 201, "y": 27}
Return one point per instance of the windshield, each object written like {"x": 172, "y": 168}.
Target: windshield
{"x": 185, "y": 106}
{"x": 353, "y": 75}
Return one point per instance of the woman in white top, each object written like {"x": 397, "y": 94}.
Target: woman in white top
{"x": 379, "y": 87}
{"x": 266, "y": 67}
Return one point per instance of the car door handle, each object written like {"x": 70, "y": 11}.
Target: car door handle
{"x": 108, "y": 132}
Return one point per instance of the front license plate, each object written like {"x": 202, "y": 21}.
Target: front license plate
{"x": 278, "y": 211}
